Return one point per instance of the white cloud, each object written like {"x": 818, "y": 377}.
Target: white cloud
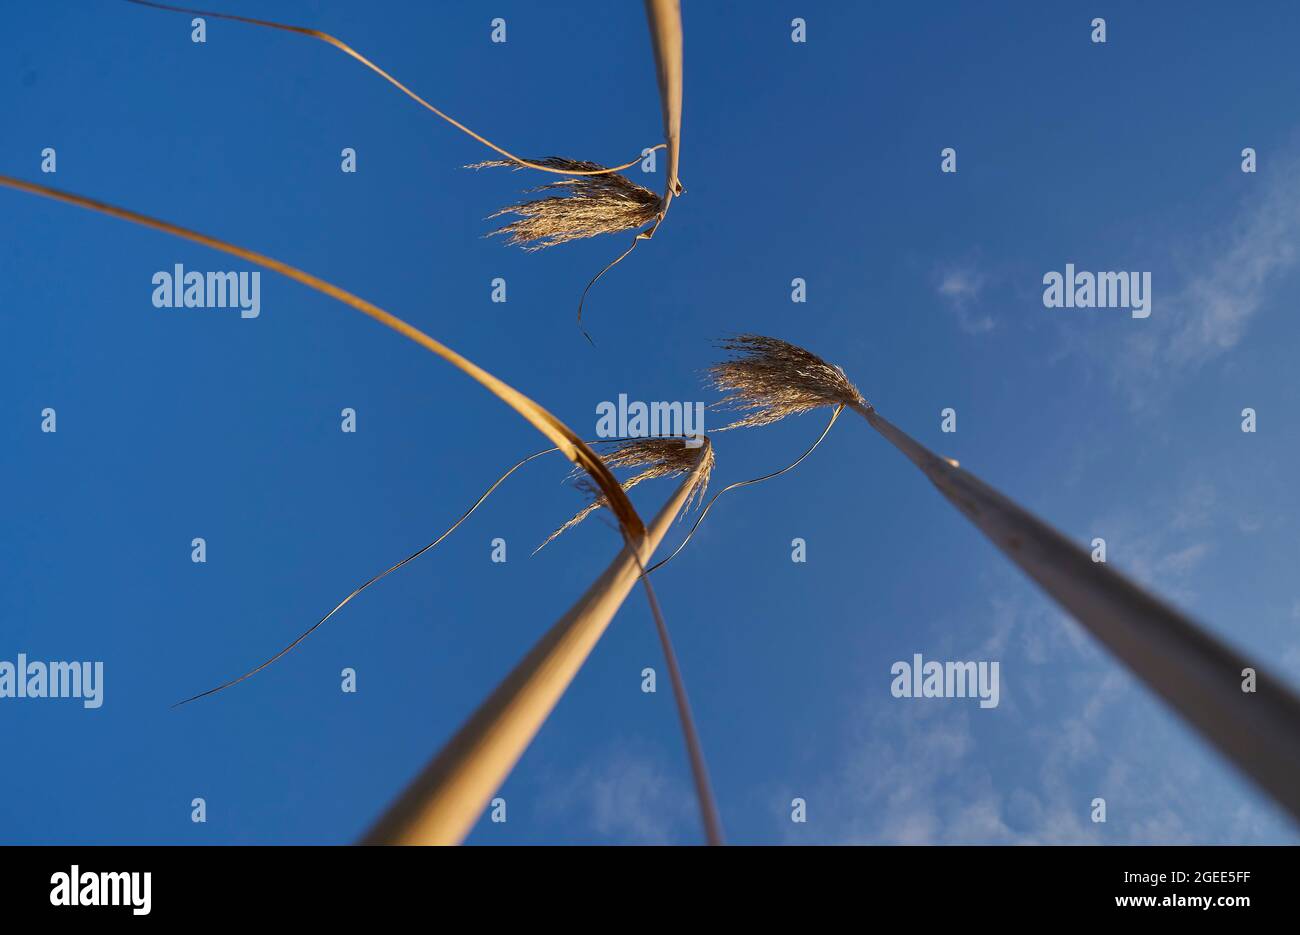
{"x": 1164, "y": 548}
{"x": 1216, "y": 305}
{"x": 1073, "y": 725}
{"x": 629, "y": 797}
{"x": 1237, "y": 272}
{"x": 960, "y": 284}
{"x": 961, "y": 287}
{"x": 935, "y": 773}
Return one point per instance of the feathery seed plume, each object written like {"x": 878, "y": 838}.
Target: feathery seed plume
{"x": 659, "y": 457}
{"x": 582, "y": 206}
{"x": 770, "y": 379}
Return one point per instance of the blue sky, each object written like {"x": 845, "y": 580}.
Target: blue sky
{"x": 816, "y": 160}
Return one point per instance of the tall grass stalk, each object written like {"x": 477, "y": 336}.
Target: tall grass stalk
{"x": 665, "y": 19}
{"x": 601, "y": 602}
{"x": 442, "y": 803}
{"x": 1196, "y": 674}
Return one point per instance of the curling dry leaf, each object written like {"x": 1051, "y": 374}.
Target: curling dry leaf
{"x": 769, "y": 379}
{"x": 580, "y": 206}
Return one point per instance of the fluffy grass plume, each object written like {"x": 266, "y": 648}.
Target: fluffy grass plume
{"x": 579, "y": 206}
{"x": 657, "y": 457}
{"x": 769, "y": 379}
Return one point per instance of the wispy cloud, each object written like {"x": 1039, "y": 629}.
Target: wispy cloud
{"x": 1073, "y": 726}
{"x": 960, "y": 286}
{"x": 1237, "y": 272}
{"x": 1216, "y": 305}
{"x": 937, "y": 773}
{"x": 1164, "y": 547}
{"x": 629, "y": 797}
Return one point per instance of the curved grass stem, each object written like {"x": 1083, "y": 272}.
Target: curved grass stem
{"x": 353, "y": 53}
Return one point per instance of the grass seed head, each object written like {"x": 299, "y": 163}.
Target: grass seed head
{"x": 768, "y": 379}
{"x": 580, "y": 206}
{"x": 657, "y": 458}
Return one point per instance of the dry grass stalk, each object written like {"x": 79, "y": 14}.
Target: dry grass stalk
{"x": 507, "y": 723}
{"x": 658, "y": 458}
{"x": 581, "y": 207}
{"x": 770, "y": 379}
{"x": 443, "y": 802}
{"x": 1194, "y": 672}
{"x": 563, "y": 437}
{"x": 665, "y": 21}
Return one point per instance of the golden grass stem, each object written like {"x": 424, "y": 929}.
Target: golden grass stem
{"x": 442, "y": 803}
{"x": 633, "y": 529}
{"x": 694, "y": 749}
{"x": 1197, "y": 675}
{"x": 560, "y": 434}
{"x": 665, "y": 18}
